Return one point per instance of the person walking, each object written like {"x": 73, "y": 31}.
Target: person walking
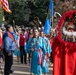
{"x": 36, "y": 47}
{"x": 23, "y": 55}
{"x": 45, "y": 64}
{"x": 17, "y": 51}
{"x": 8, "y": 48}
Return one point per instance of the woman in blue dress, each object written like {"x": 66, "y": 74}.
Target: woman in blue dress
{"x": 17, "y": 51}
{"x": 36, "y": 46}
{"x": 45, "y": 65}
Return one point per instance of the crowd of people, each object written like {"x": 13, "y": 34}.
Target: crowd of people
{"x": 30, "y": 45}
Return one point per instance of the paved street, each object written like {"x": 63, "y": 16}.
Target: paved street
{"x": 22, "y": 69}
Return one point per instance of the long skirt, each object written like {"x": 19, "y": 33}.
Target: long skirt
{"x": 17, "y": 52}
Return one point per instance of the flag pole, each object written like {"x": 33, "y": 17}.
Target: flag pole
{"x": 52, "y": 20}
{"x": 51, "y": 12}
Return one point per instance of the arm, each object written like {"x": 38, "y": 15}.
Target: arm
{"x": 44, "y": 47}
{"x": 28, "y": 45}
{"x": 49, "y": 48}
{"x": 7, "y": 45}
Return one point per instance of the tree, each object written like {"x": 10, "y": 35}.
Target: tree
{"x": 62, "y": 6}
{"x": 32, "y": 7}
{"x": 18, "y": 12}
{"x": 39, "y": 8}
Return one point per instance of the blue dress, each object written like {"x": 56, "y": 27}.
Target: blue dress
{"x": 36, "y": 44}
{"x": 17, "y": 52}
{"x": 46, "y": 61}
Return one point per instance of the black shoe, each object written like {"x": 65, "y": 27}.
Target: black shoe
{"x": 25, "y": 62}
{"x": 11, "y": 71}
{"x": 21, "y": 62}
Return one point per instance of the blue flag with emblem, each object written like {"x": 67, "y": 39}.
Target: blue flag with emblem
{"x": 48, "y": 21}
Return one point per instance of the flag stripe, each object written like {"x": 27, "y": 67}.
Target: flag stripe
{"x": 6, "y": 1}
{"x": 7, "y": 10}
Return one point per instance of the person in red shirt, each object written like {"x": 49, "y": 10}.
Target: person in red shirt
{"x": 22, "y": 50}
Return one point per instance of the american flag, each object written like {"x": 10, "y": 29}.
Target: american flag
{"x": 5, "y": 5}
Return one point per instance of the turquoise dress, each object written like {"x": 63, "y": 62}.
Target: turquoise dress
{"x": 48, "y": 51}
{"x": 36, "y": 44}
{"x": 17, "y": 52}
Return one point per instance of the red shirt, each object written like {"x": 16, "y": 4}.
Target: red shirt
{"x": 22, "y": 39}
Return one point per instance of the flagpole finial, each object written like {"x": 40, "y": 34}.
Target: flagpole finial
{"x": 3, "y": 18}
{"x": 13, "y": 21}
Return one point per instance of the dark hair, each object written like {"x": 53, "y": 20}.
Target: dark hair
{"x": 35, "y": 29}
{"x": 23, "y": 30}
{"x": 8, "y": 26}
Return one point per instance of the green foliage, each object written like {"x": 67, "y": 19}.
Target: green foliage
{"x": 35, "y": 8}
{"x": 40, "y": 9}
{"x": 1, "y": 16}
{"x": 19, "y": 10}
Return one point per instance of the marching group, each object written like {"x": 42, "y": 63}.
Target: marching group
{"x": 30, "y": 45}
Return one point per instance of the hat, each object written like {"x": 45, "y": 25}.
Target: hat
{"x": 23, "y": 30}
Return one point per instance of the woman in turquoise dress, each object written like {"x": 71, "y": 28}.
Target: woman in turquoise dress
{"x": 45, "y": 65}
{"x": 36, "y": 46}
{"x": 17, "y": 51}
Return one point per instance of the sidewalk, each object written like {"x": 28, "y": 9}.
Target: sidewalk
{"x": 23, "y": 69}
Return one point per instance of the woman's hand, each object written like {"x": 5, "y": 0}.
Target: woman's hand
{"x": 45, "y": 57}
{"x": 9, "y": 54}
{"x": 32, "y": 49}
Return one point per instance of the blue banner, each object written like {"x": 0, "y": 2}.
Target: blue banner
{"x": 47, "y": 26}
{"x": 48, "y": 21}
